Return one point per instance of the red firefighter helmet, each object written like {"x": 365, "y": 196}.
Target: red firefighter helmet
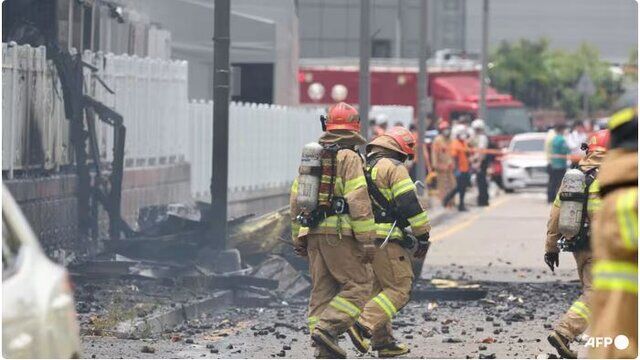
{"x": 343, "y": 116}
{"x": 404, "y": 138}
{"x": 443, "y": 125}
{"x": 599, "y": 141}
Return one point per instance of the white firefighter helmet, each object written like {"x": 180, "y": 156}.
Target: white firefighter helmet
{"x": 478, "y": 124}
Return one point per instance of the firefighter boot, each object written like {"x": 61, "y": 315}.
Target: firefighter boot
{"x": 392, "y": 349}
{"x": 359, "y": 337}
{"x": 562, "y": 345}
{"x": 326, "y": 340}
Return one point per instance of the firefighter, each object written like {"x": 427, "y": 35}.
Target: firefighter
{"x": 338, "y": 238}
{"x": 396, "y": 207}
{"x": 615, "y": 243}
{"x": 587, "y": 201}
{"x": 441, "y": 160}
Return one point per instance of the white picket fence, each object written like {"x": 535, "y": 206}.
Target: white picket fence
{"x": 265, "y": 142}
{"x": 151, "y": 95}
{"x": 35, "y": 133}
{"x": 163, "y": 126}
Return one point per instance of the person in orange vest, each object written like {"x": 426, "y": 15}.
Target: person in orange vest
{"x": 459, "y": 151}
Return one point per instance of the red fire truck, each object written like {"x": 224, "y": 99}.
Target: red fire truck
{"x": 454, "y": 88}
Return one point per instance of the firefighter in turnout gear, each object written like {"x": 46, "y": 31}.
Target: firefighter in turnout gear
{"x": 396, "y": 207}
{"x": 585, "y": 202}
{"x": 338, "y": 236}
{"x": 615, "y": 243}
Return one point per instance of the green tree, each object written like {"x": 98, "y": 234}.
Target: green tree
{"x": 545, "y": 78}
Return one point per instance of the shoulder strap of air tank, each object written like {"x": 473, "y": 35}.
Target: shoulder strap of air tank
{"x": 590, "y": 175}
{"x": 375, "y": 193}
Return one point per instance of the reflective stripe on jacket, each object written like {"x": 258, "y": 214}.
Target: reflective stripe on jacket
{"x": 394, "y": 182}
{"x": 351, "y": 184}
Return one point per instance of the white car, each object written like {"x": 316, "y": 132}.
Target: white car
{"x": 38, "y": 311}
{"x": 525, "y": 163}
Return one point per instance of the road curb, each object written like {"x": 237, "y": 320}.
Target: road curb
{"x": 159, "y": 323}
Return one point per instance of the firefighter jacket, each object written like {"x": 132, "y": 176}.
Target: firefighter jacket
{"x": 349, "y": 183}
{"x": 592, "y": 160}
{"x": 393, "y": 180}
{"x": 440, "y": 157}
{"x": 615, "y": 250}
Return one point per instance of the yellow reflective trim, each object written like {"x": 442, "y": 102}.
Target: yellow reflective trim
{"x": 388, "y": 301}
{"x": 354, "y": 184}
{"x": 382, "y": 230}
{"x": 383, "y": 306}
{"x": 402, "y": 187}
{"x": 595, "y": 187}
{"x": 594, "y": 205}
{"x": 374, "y": 173}
{"x": 361, "y": 226}
{"x": 332, "y": 221}
{"x": 623, "y": 116}
{"x": 628, "y": 218}
{"x": 615, "y": 275}
{"x": 581, "y": 309}
{"x": 387, "y": 193}
{"x": 346, "y": 306}
{"x": 312, "y": 321}
{"x": 419, "y": 219}
{"x": 557, "y": 201}
{"x": 294, "y": 186}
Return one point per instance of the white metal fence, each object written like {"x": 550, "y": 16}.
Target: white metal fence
{"x": 265, "y": 142}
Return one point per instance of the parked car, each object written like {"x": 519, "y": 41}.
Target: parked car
{"x": 525, "y": 163}
{"x": 38, "y": 311}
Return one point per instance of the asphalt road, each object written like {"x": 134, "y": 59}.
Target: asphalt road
{"x": 500, "y": 247}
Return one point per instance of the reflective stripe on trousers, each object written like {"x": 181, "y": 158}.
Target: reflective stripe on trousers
{"x": 581, "y": 309}
{"x": 385, "y": 303}
{"x": 343, "y": 305}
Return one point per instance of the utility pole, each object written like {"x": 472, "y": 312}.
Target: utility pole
{"x": 422, "y": 94}
{"x": 483, "y": 59}
{"x": 220, "y": 151}
{"x": 398, "y": 48}
{"x": 365, "y": 54}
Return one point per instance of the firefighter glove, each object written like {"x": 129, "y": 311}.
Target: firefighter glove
{"x": 368, "y": 252}
{"x": 423, "y": 246}
{"x": 300, "y": 250}
{"x": 552, "y": 259}
{"x": 300, "y": 247}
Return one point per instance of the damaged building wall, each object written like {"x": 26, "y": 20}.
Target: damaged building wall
{"x": 51, "y": 206}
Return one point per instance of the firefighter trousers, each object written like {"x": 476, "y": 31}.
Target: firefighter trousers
{"x": 341, "y": 283}
{"x": 575, "y": 321}
{"x": 393, "y": 277}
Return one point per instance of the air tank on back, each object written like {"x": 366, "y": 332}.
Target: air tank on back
{"x": 572, "y": 196}
{"x": 310, "y": 172}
